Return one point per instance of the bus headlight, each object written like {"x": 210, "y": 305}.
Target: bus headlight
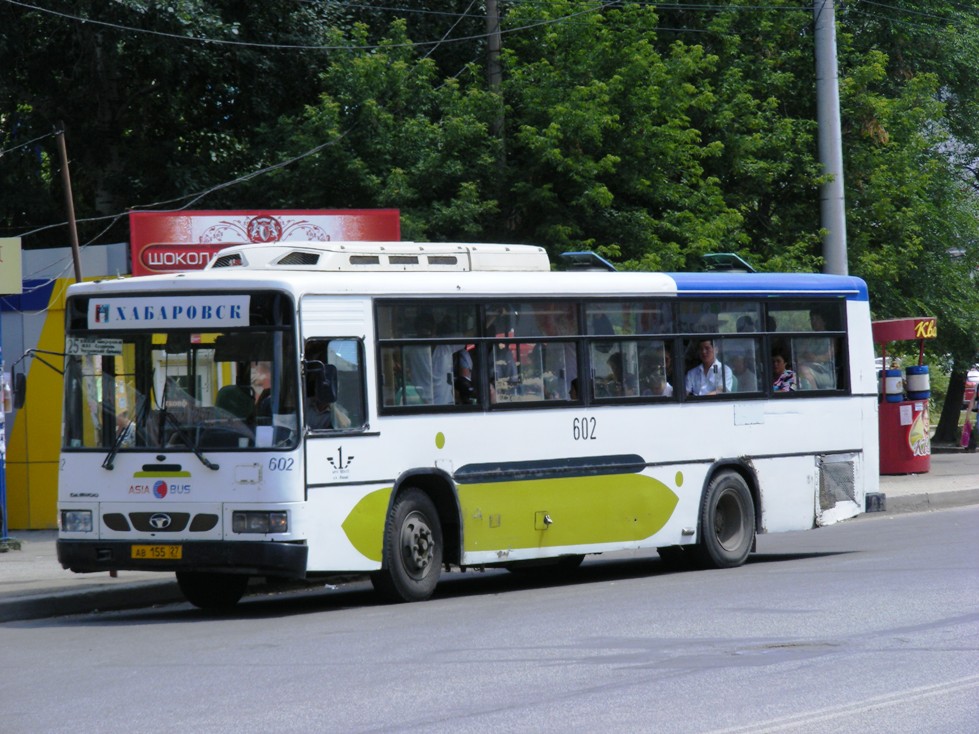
{"x": 76, "y": 521}
{"x": 254, "y": 521}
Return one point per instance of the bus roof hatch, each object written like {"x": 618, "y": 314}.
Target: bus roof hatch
{"x": 383, "y": 256}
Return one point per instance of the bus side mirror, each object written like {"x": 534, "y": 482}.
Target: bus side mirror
{"x": 18, "y": 382}
{"x": 323, "y": 378}
{"x": 326, "y": 385}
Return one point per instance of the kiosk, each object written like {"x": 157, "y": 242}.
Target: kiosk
{"x": 905, "y": 432}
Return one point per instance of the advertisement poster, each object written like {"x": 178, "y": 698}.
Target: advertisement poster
{"x": 173, "y": 242}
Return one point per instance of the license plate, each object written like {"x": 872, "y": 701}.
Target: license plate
{"x": 158, "y": 552}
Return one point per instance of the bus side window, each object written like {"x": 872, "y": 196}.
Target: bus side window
{"x": 615, "y": 369}
{"x": 340, "y": 363}
{"x": 816, "y": 360}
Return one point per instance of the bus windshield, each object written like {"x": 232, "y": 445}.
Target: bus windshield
{"x": 181, "y": 391}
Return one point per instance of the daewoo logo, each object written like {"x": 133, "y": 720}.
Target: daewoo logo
{"x": 160, "y": 521}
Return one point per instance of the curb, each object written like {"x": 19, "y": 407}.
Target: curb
{"x": 930, "y": 501}
{"x": 135, "y": 595}
{"x": 62, "y": 603}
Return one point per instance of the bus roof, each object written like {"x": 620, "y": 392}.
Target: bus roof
{"x": 770, "y": 283}
{"x": 520, "y": 284}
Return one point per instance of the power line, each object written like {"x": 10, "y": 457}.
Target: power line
{"x": 306, "y": 47}
{"x": 192, "y": 199}
{"x": 909, "y": 11}
{"x": 5, "y": 151}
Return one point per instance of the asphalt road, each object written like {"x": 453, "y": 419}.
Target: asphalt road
{"x": 866, "y": 626}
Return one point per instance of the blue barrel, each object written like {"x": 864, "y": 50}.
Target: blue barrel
{"x": 893, "y": 386}
{"x": 919, "y": 385}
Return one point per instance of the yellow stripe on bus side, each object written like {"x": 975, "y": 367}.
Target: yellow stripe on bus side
{"x": 615, "y": 508}
{"x": 582, "y": 511}
{"x": 364, "y": 525}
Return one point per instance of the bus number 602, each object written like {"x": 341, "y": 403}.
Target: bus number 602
{"x": 584, "y": 429}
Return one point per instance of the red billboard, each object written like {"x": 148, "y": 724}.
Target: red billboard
{"x": 172, "y": 242}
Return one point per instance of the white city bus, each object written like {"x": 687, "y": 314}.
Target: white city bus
{"x": 395, "y": 409}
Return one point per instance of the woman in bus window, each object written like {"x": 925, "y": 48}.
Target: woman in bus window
{"x": 784, "y": 377}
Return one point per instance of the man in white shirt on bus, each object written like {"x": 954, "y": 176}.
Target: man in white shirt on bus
{"x": 705, "y": 378}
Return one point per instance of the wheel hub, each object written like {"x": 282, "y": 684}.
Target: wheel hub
{"x": 416, "y": 545}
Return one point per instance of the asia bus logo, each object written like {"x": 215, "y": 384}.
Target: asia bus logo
{"x": 340, "y": 464}
{"x": 159, "y": 488}
{"x": 101, "y": 313}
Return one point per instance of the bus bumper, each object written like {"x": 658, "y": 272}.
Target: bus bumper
{"x": 285, "y": 560}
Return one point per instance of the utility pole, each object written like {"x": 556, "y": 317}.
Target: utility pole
{"x": 69, "y": 203}
{"x": 494, "y": 70}
{"x": 831, "y": 202}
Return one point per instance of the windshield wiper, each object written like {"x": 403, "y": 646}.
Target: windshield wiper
{"x": 107, "y": 463}
{"x": 189, "y": 442}
{"x": 116, "y": 445}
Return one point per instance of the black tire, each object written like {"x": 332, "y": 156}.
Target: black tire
{"x": 412, "y": 549}
{"x": 212, "y": 591}
{"x": 727, "y": 522}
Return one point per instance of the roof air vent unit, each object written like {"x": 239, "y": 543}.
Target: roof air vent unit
{"x": 228, "y": 261}
{"x": 403, "y": 259}
{"x": 365, "y": 260}
{"x": 299, "y": 258}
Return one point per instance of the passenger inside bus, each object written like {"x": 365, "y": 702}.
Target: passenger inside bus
{"x": 320, "y": 405}
{"x": 817, "y": 363}
{"x": 261, "y": 379}
{"x": 655, "y": 370}
{"x": 744, "y": 374}
{"x": 619, "y": 384}
{"x": 784, "y": 377}
{"x": 710, "y": 377}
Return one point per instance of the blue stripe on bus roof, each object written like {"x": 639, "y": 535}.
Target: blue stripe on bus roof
{"x": 775, "y": 283}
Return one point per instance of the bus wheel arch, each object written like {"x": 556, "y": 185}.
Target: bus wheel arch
{"x": 728, "y": 518}
{"x": 419, "y": 521}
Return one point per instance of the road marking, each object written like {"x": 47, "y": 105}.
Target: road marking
{"x": 890, "y": 699}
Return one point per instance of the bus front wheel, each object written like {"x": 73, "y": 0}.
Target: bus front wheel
{"x": 212, "y": 591}
{"x": 727, "y": 522}
{"x": 412, "y": 549}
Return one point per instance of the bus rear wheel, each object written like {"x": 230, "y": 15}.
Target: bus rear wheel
{"x": 212, "y": 591}
{"x": 727, "y": 522}
{"x": 412, "y": 549}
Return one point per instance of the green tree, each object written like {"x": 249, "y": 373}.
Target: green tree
{"x": 389, "y": 132}
{"x": 911, "y": 139}
{"x": 151, "y": 110}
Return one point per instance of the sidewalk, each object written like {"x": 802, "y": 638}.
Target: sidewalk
{"x": 33, "y": 585}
